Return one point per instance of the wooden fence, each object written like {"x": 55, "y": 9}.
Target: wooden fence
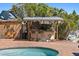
{"x": 9, "y": 29}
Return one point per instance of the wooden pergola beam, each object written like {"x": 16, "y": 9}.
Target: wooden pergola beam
{"x": 10, "y": 22}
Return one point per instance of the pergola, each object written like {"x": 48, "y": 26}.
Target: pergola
{"x": 29, "y": 21}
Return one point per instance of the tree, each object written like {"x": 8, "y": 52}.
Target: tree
{"x": 70, "y": 24}
{"x": 14, "y": 9}
{"x": 43, "y": 10}
{"x": 30, "y": 9}
{"x": 18, "y": 11}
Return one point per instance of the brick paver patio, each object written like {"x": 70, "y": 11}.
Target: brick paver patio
{"x": 65, "y": 48}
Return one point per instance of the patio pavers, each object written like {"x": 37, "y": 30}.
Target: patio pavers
{"x": 65, "y": 48}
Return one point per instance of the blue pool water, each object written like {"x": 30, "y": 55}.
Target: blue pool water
{"x": 29, "y": 51}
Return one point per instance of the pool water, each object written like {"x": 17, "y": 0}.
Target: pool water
{"x": 29, "y": 51}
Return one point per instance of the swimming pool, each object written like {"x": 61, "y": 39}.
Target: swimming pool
{"x": 28, "y": 51}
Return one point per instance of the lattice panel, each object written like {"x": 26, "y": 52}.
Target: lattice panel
{"x": 9, "y": 30}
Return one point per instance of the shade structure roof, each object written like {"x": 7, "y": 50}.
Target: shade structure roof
{"x": 43, "y": 18}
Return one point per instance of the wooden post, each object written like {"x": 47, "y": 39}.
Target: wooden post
{"x": 21, "y": 31}
{"x": 29, "y": 24}
{"x": 57, "y": 31}
{"x": 54, "y": 29}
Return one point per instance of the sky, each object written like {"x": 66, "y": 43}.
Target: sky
{"x": 69, "y": 7}
{"x": 5, "y": 6}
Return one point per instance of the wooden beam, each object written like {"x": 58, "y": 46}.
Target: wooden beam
{"x": 9, "y": 22}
